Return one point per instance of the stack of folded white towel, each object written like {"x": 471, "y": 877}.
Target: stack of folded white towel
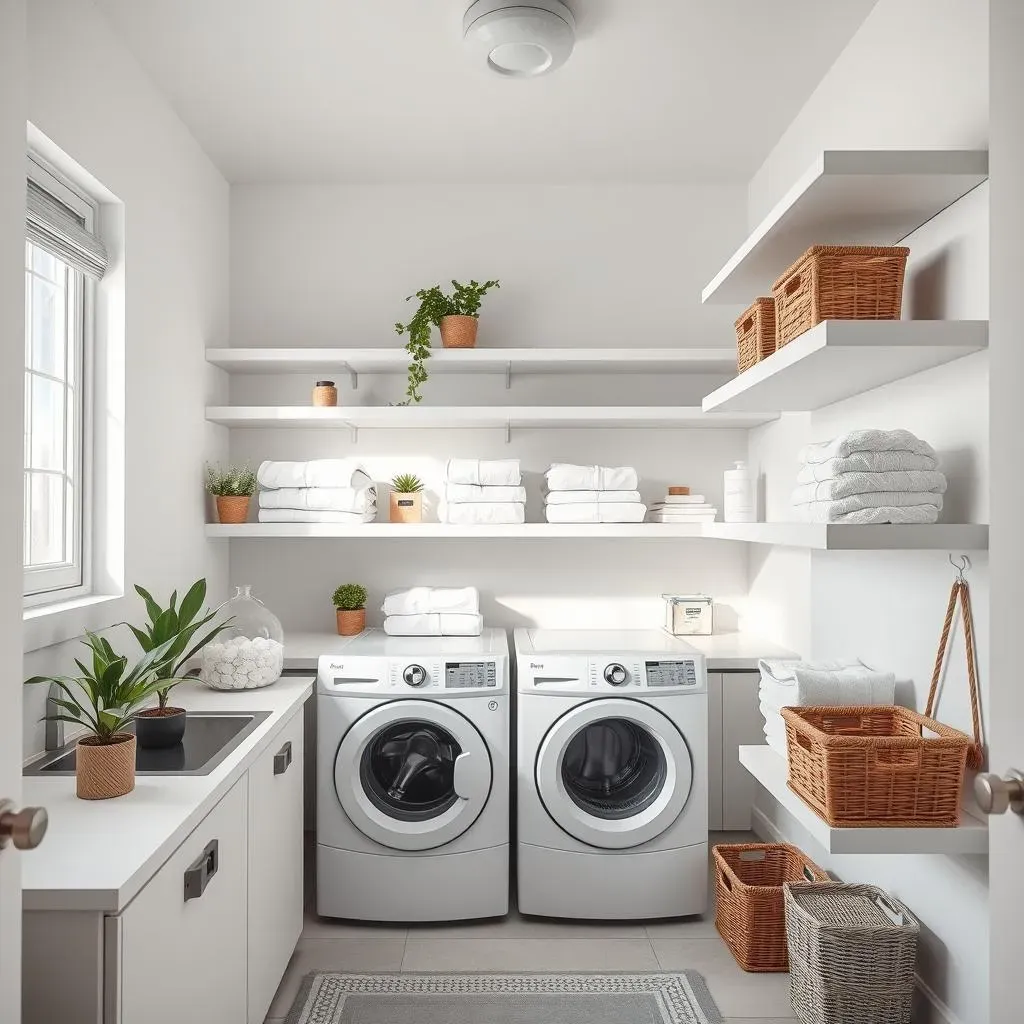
{"x": 870, "y": 476}
{"x": 788, "y": 684}
{"x": 433, "y": 611}
{"x": 320, "y": 491}
{"x": 683, "y": 508}
{"x": 592, "y": 494}
{"x": 481, "y": 492}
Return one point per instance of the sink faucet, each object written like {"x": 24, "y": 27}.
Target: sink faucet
{"x": 54, "y": 728}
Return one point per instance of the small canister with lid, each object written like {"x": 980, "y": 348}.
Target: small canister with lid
{"x": 325, "y": 394}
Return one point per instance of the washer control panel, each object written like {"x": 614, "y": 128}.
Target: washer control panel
{"x": 411, "y": 674}
{"x": 639, "y": 672}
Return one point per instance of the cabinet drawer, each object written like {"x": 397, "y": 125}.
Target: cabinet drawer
{"x": 275, "y": 863}
{"x": 177, "y": 952}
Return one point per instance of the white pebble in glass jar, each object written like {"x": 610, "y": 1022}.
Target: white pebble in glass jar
{"x": 242, "y": 664}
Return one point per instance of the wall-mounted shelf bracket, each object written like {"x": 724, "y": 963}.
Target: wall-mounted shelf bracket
{"x": 508, "y": 376}
{"x": 508, "y": 432}
{"x": 354, "y": 431}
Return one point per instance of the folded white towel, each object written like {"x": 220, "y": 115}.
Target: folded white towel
{"x": 438, "y": 624}
{"x": 835, "y": 512}
{"x": 597, "y": 512}
{"x": 321, "y": 499}
{"x": 838, "y": 687}
{"x": 778, "y": 677}
{"x": 864, "y": 462}
{"x": 432, "y": 600}
{"x": 317, "y": 473}
{"x": 881, "y": 499}
{"x": 588, "y": 497}
{"x": 904, "y": 481}
{"x": 866, "y": 441}
{"x": 487, "y": 472}
{"x": 661, "y": 516}
{"x": 459, "y": 493}
{"x": 567, "y": 477}
{"x": 300, "y": 515}
{"x": 482, "y": 513}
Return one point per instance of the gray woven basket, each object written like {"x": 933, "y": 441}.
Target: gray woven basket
{"x": 852, "y": 954}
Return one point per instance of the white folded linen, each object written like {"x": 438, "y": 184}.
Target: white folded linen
{"x": 317, "y": 473}
{"x": 815, "y": 688}
{"x": 488, "y": 472}
{"x": 482, "y": 513}
{"x": 301, "y": 515}
{"x": 460, "y": 493}
{"x": 865, "y": 441}
{"x": 777, "y": 688}
{"x": 660, "y": 516}
{"x": 836, "y": 512}
{"x": 881, "y": 499}
{"x": 597, "y": 512}
{"x": 588, "y": 497}
{"x": 437, "y": 624}
{"x": 567, "y": 477}
{"x": 902, "y": 481}
{"x": 865, "y": 462}
{"x": 432, "y": 600}
{"x": 321, "y": 499}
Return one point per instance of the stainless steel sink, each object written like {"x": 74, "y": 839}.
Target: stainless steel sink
{"x": 209, "y": 737}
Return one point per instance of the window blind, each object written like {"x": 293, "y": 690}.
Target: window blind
{"x": 61, "y": 232}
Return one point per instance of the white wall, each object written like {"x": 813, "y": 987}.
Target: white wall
{"x": 90, "y": 98}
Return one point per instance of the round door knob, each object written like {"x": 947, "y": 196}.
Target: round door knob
{"x": 415, "y": 675}
{"x": 24, "y": 829}
{"x": 616, "y": 674}
{"x": 996, "y": 795}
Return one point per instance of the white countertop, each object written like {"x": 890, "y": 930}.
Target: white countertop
{"x": 97, "y": 855}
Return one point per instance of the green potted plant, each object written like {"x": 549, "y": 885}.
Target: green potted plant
{"x": 233, "y": 488}
{"x": 102, "y": 700}
{"x": 350, "y": 605}
{"x": 406, "y": 499}
{"x": 457, "y": 315}
{"x": 164, "y": 726}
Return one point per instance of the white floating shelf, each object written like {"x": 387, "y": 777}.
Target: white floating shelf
{"x": 455, "y": 417}
{"x": 837, "y": 537}
{"x": 848, "y": 197}
{"x": 437, "y": 531}
{"x": 769, "y": 769}
{"x": 841, "y": 358}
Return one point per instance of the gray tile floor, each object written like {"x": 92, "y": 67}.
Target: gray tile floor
{"x": 518, "y": 943}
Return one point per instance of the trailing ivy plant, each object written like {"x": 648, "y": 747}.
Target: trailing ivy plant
{"x": 464, "y": 300}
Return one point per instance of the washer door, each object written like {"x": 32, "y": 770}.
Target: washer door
{"x": 614, "y": 773}
{"x": 412, "y": 774}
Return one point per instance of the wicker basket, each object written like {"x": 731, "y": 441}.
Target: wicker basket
{"x": 874, "y": 767}
{"x": 750, "y": 915}
{"x": 852, "y": 954}
{"x": 755, "y": 334}
{"x": 839, "y": 282}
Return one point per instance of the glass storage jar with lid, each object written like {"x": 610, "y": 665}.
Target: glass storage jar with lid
{"x": 250, "y": 652}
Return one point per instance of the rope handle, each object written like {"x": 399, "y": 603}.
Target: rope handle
{"x": 961, "y": 592}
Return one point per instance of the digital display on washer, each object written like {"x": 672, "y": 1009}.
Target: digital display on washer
{"x": 671, "y": 673}
{"x": 465, "y": 675}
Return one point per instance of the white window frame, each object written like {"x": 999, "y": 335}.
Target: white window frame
{"x": 44, "y": 586}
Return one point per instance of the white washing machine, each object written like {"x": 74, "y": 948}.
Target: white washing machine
{"x": 413, "y": 778}
{"x": 612, "y": 774}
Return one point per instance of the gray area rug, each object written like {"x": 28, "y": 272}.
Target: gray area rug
{"x": 679, "y": 997}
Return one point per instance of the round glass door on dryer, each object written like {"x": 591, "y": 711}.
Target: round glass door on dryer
{"x": 413, "y": 774}
{"x": 614, "y": 774}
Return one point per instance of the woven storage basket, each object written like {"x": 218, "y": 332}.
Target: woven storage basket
{"x": 839, "y": 282}
{"x": 755, "y": 333}
{"x": 873, "y": 767}
{"x": 750, "y": 914}
{"x": 852, "y": 954}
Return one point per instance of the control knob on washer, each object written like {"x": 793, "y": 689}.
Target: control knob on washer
{"x": 414, "y": 675}
{"x": 616, "y": 674}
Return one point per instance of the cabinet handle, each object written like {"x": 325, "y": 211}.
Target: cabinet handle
{"x": 283, "y": 758}
{"x": 198, "y": 876}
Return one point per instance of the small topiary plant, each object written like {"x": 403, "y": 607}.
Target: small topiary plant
{"x": 350, "y": 597}
{"x": 407, "y": 483}
{"x": 231, "y": 482}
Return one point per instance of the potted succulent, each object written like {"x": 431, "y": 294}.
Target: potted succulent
{"x": 457, "y": 315}
{"x": 233, "y": 489}
{"x": 164, "y": 726}
{"x": 102, "y": 700}
{"x": 406, "y": 499}
{"x": 350, "y": 604}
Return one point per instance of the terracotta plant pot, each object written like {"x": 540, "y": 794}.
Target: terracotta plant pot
{"x": 232, "y": 509}
{"x": 406, "y": 508}
{"x": 351, "y": 623}
{"x": 459, "y": 331}
{"x": 158, "y": 728}
{"x": 105, "y": 770}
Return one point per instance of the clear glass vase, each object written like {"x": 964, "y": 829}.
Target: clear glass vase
{"x": 250, "y": 652}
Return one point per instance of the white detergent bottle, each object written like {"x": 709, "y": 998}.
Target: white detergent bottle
{"x": 739, "y": 495}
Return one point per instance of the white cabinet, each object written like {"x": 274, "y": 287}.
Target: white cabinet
{"x": 734, "y": 720}
{"x": 715, "y": 751}
{"x": 275, "y": 864}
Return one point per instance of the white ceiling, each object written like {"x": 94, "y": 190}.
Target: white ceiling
{"x": 382, "y": 90}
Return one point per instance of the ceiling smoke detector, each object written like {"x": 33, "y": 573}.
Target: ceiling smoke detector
{"x": 520, "y": 41}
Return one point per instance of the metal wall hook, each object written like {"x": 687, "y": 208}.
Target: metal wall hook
{"x": 960, "y": 568}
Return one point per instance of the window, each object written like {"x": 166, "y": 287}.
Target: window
{"x": 63, "y": 256}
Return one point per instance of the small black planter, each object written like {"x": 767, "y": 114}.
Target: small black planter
{"x": 156, "y": 729}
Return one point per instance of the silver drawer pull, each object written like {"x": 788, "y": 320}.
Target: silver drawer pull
{"x": 283, "y": 758}
{"x": 198, "y": 876}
